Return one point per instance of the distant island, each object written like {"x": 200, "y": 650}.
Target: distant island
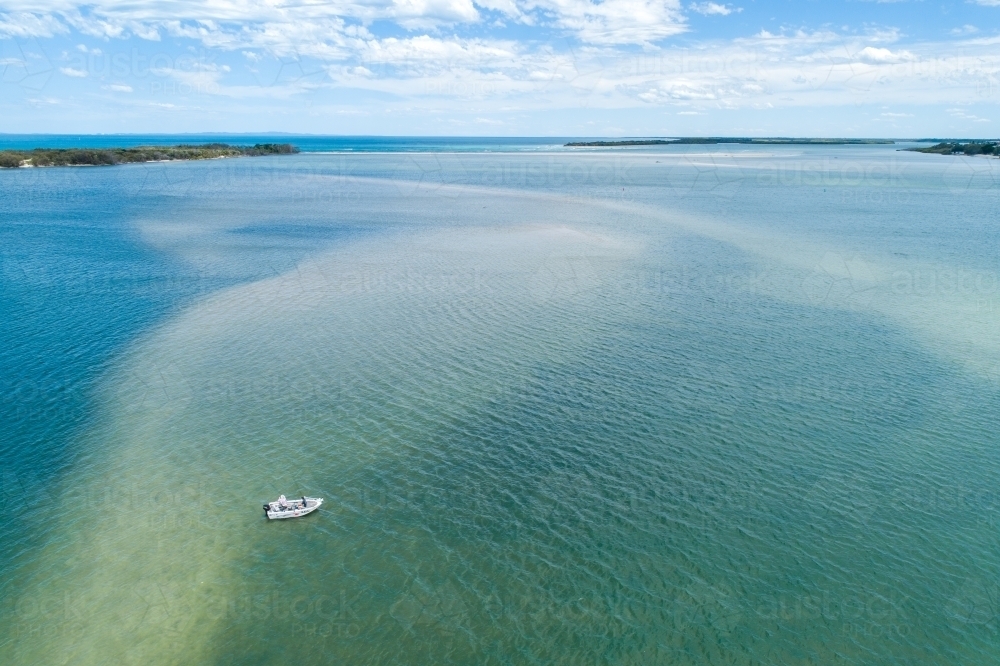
{"x": 716, "y": 140}
{"x": 47, "y": 157}
{"x": 958, "y": 148}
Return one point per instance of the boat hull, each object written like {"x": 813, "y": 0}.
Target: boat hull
{"x": 294, "y": 509}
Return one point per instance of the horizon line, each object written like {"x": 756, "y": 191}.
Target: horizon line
{"x": 501, "y": 137}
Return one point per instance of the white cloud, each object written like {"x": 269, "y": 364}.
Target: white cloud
{"x": 425, "y": 54}
{"x": 798, "y": 40}
{"x": 26, "y": 24}
{"x": 112, "y": 19}
{"x": 428, "y": 13}
{"x": 506, "y": 7}
{"x": 117, "y": 87}
{"x": 326, "y": 39}
{"x": 713, "y": 8}
{"x": 964, "y": 30}
{"x": 690, "y": 90}
{"x": 75, "y": 73}
{"x": 615, "y": 21}
{"x": 959, "y": 113}
{"x": 229, "y": 23}
{"x": 879, "y": 56}
{"x": 334, "y": 44}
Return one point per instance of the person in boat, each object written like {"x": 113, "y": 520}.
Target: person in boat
{"x": 282, "y": 502}
{"x": 303, "y": 501}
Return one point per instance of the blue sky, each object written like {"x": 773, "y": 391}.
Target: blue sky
{"x": 502, "y": 67}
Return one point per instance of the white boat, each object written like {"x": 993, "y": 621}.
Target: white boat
{"x": 296, "y": 508}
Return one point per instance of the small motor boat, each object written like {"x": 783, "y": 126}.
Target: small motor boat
{"x": 285, "y": 508}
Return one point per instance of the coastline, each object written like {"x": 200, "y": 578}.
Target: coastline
{"x": 968, "y": 148}
{"x": 55, "y": 157}
{"x": 695, "y": 140}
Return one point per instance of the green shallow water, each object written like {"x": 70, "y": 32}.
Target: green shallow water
{"x": 631, "y": 408}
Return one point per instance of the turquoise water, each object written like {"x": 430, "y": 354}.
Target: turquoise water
{"x": 658, "y": 406}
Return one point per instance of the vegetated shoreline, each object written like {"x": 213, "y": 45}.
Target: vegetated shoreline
{"x": 959, "y": 148}
{"x": 50, "y": 157}
{"x": 696, "y": 140}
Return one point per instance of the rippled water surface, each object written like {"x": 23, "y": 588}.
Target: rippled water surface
{"x": 699, "y": 404}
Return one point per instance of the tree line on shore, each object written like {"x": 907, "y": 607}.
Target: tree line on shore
{"x": 44, "y": 157}
{"x": 958, "y": 148}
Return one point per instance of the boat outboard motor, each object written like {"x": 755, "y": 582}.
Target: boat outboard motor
{"x": 267, "y": 507}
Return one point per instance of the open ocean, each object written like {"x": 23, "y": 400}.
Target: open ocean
{"x": 660, "y": 405}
